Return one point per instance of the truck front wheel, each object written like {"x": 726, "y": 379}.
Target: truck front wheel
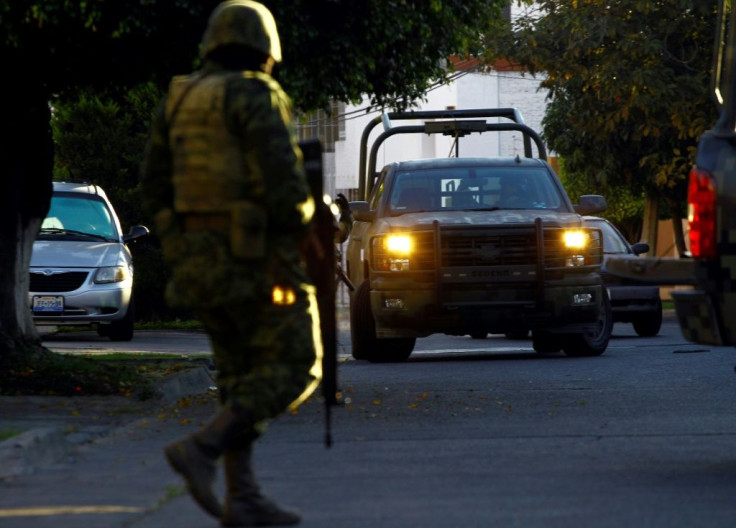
{"x": 363, "y": 338}
{"x": 595, "y": 342}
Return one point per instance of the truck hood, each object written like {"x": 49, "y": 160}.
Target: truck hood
{"x": 75, "y": 254}
{"x": 479, "y": 218}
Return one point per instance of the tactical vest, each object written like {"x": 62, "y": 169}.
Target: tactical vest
{"x": 213, "y": 186}
{"x": 208, "y": 165}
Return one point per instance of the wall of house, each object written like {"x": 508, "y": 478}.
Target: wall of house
{"x": 469, "y": 91}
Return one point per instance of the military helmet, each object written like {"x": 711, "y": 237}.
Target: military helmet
{"x": 242, "y": 22}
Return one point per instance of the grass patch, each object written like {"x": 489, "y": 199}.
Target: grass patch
{"x": 141, "y": 325}
{"x": 61, "y": 375}
{"x": 38, "y": 371}
{"x": 132, "y": 375}
{"x": 169, "y": 325}
{"x": 8, "y": 433}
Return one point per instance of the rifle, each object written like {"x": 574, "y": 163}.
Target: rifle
{"x": 322, "y": 271}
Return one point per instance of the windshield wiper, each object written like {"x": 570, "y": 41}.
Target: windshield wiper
{"x": 57, "y": 231}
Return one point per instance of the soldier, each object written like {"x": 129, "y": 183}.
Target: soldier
{"x": 223, "y": 177}
{"x": 344, "y": 220}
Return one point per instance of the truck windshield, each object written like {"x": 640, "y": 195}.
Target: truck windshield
{"x": 473, "y": 188}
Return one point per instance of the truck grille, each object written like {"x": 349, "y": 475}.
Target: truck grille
{"x": 510, "y": 247}
{"x": 58, "y": 282}
{"x": 483, "y": 249}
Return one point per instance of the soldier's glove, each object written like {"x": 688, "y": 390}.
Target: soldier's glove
{"x": 342, "y": 203}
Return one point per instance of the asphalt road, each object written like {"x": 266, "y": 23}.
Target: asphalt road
{"x": 471, "y": 433}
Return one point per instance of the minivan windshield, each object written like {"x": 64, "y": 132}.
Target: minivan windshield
{"x": 78, "y": 217}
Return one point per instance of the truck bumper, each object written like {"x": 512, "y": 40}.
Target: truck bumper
{"x": 417, "y": 313}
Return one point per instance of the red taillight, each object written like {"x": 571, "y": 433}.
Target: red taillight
{"x": 701, "y": 213}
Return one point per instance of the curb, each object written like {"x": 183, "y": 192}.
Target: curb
{"x": 186, "y": 383}
{"x": 36, "y": 448}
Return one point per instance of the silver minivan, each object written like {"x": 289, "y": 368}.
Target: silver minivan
{"x": 81, "y": 270}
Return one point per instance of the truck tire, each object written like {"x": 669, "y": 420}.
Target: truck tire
{"x": 648, "y": 325}
{"x": 365, "y": 344}
{"x": 589, "y": 344}
{"x": 546, "y": 342}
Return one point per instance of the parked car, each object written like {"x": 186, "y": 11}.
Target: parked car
{"x": 81, "y": 270}
{"x": 631, "y": 301}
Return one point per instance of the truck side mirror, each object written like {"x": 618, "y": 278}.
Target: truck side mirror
{"x": 590, "y": 204}
{"x": 361, "y": 212}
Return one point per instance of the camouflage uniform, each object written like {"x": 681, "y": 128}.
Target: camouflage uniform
{"x": 223, "y": 176}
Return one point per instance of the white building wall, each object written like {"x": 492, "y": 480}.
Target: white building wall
{"x": 470, "y": 91}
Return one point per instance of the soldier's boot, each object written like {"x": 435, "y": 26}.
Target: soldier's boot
{"x": 195, "y": 458}
{"x": 245, "y": 505}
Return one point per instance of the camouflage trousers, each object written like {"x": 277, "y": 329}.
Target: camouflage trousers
{"x": 268, "y": 356}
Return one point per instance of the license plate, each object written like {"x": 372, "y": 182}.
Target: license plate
{"x": 48, "y": 303}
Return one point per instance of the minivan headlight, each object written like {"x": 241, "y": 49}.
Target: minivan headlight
{"x": 112, "y": 274}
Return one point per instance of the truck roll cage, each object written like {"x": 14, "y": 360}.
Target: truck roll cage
{"x": 456, "y": 123}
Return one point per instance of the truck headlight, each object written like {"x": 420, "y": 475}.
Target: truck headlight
{"x": 398, "y": 244}
{"x": 392, "y": 252}
{"x": 575, "y": 239}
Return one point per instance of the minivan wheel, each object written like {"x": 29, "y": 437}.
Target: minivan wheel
{"x": 123, "y": 329}
{"x": 365, "y": 344}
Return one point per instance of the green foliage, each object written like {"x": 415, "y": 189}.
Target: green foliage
{"x": 628, "y": 86}
{"x": 389, "y": 49}
{"x": 333, "y": 49}
{"x": 100, "y": 139}
{"x": 625, "y": 203}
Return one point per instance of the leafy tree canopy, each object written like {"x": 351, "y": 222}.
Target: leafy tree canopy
{"x": 337, "y": 49}
{"x": 628, "y": 86}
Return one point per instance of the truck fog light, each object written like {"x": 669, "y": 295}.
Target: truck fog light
{"x": 399, "y": 264}
{"x": 582, "y": 298}
{"x": 575, "y": 261}
{"x": 393, "y": 303}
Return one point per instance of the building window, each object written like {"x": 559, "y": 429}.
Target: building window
{"x": 326, "y": 125}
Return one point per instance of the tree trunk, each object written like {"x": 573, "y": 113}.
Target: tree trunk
{"x": 679, "y": 232}
{"x": 26, "y": 151}
{"x": 651, "y": 219}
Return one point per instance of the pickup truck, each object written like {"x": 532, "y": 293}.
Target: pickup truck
{"x": 707, "y": 312}
{"x": 471, "y": 246}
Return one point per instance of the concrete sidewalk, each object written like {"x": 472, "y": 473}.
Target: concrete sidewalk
{"x": 99, "y": 463}
{"x": 51, "y": 427}
{"x": 97, "y": 460}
